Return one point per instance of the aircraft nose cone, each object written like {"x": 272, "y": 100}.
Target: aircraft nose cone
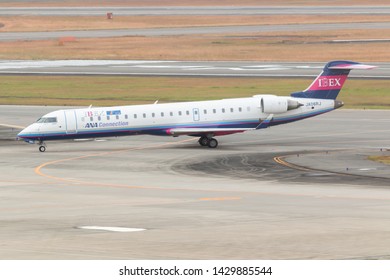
{"x": 21, "y": 134}
{"x": 24, "y": 134}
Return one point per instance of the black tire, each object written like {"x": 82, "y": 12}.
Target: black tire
{"x": 203, "y": 141}
{"x": 213, "y": 143}
{"x": 42, "y": 149}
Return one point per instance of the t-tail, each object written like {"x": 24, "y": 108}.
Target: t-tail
{"x": 329, "y": 83}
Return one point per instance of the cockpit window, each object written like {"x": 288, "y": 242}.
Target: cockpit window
{"x": 47, "y": 120}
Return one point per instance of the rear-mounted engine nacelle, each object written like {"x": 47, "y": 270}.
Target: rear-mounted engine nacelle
{"x": 271, "y": 104}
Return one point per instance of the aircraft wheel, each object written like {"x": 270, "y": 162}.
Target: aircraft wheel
{"x": 203, "y": 141}
{"x": 42, "y": 149}
{"x": 213, "y": 143}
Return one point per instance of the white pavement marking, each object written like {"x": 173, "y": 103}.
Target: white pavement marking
{"x": 114, "y": 229}
{"x": 22, "y": 64}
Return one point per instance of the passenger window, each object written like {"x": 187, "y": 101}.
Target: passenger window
{"x": 223, "y": 110}
{"x": 171, "y": 114}
{"x": 179, "y": 113}
{"x": 126, "y": 117}
{"x": 99, "y": 118}
{"x": 162, "y": 114}
{"x": 231, "y": 110}
{"x": 239, "y": 109}
{"x": 205, "y": 111}
{"x": 117, "y": 117}
{"x": 144, "y": 115}
{"x": 214, "y": 111}
{"x": 108, "y": 118}
{"x": 135, "y": 116}
{"x": 153, "y": 115}
{"x": 91, "y": 119}
{"x": 188, "y": 113}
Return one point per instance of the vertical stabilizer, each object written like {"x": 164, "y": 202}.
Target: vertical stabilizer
{"x": 328, "y": 84}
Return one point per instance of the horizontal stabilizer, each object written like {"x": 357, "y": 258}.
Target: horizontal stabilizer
{"x": 352, "y": 67}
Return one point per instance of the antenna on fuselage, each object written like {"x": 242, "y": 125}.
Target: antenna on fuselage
{"x": 155, "y": 102}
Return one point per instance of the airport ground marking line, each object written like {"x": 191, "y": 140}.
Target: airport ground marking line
{"x": 277, "y": 159}
{"x": 38, "y": 169}
{"x": 280, "y": 160}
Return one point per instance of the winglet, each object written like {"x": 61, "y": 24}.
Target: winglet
{"x": 265, "y": 123}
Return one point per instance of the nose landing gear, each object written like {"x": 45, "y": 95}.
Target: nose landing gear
{"x": 42, "y": 146}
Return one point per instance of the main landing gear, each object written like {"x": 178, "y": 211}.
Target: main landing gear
{"x": 210, "y": 142}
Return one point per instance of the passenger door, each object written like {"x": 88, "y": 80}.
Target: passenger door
{"x": 70, "y": 122}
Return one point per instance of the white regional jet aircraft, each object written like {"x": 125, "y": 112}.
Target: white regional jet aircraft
{"x": 203, "y": 119}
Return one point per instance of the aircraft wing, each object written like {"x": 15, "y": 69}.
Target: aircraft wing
{"x": 196, "y": 131}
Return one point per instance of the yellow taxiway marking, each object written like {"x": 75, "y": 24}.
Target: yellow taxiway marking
{"x": 281, "y": 161}
{"x": 38, "y": 169}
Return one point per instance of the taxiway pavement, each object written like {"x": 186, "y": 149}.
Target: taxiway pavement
{"x": 179, "y": 68}
{"x": 233, "y": 202}
{"x": 177, "y": 31}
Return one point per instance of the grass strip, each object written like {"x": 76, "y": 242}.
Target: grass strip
{"x": 112, "y": 90}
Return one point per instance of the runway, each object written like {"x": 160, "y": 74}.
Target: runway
{"x": 176, "y": 31}
{"x": 179, "y": 68}
{"x": 234, "y": 202}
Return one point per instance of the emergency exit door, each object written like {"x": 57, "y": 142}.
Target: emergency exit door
{"x": 195, "y": 113}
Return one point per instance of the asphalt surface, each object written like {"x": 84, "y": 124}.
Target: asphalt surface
{"x": 179, "y": 68}
{"x": 196, "y": 10}
{"x": 234, "y": 202}
{"x": 176, "y": 31}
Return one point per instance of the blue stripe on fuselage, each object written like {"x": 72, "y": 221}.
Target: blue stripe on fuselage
{"x": 153, "y": 130}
